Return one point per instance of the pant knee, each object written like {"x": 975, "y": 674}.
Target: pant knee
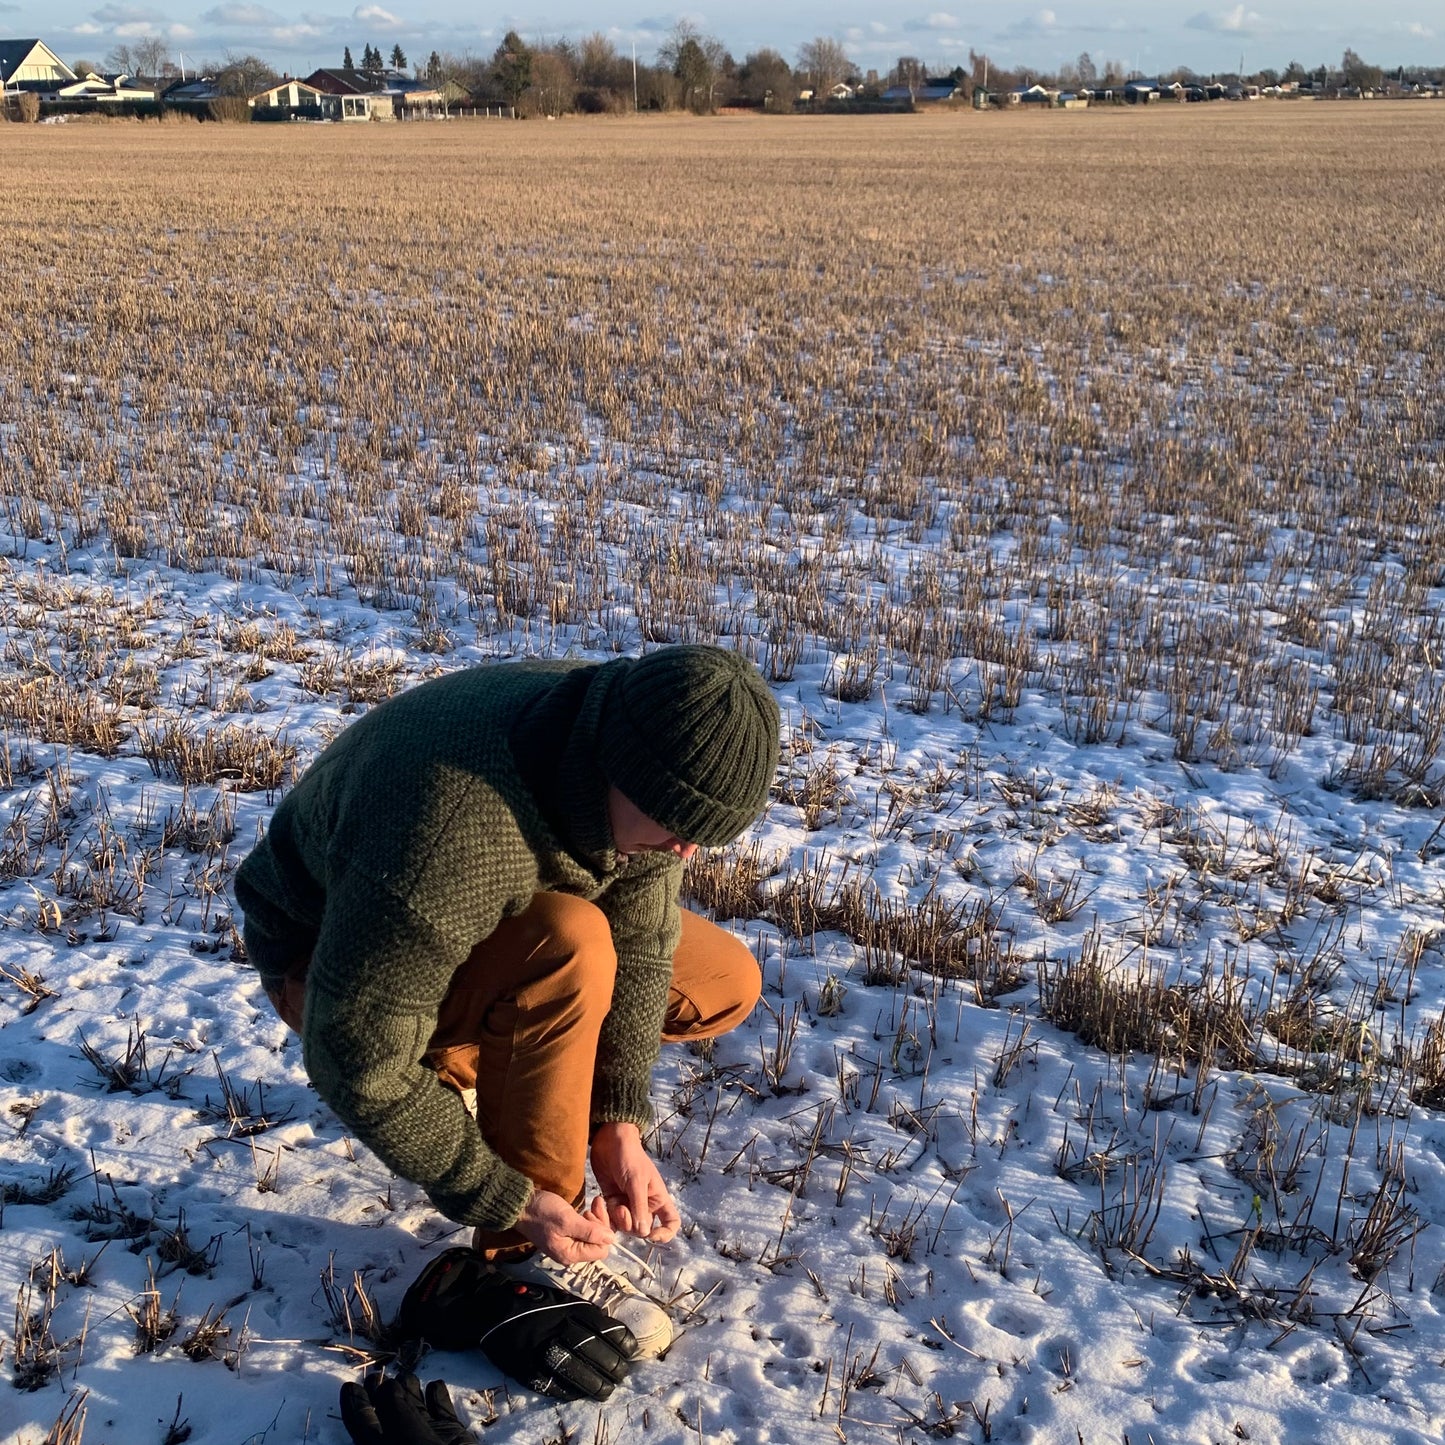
{"x": 573, "y": 939}
{"x": 713, "y": 995}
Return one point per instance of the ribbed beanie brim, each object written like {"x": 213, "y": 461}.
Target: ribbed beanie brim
{"x": 690, "y": 735}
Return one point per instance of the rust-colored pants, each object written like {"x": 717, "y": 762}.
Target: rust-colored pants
{"x": 520, "y": 1022}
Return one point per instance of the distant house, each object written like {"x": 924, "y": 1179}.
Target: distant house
{"x": 388, "y": 93}
{"x": 192, "y": 95}
{"x": 1035, "y": 94}
{"x": 1141, "y": 92}
{"x": 1070, "y": 100}
{"x": 355, "y": 93}
{"x": 291, "y": 97}
{"x": 930, "y": 92}
{"x": 31, "y": 65}
{"x": 106, "y": 90}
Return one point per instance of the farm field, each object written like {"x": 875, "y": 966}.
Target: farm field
{"x": 1075, "y": 479}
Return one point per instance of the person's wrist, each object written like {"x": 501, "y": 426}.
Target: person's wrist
{"x": 619, "y": 1128}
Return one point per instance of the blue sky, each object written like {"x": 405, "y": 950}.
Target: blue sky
{"x": 1205, "y": 34}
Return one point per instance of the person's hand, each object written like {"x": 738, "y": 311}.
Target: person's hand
{"x": 393, "y": 1412}
{"x": 559, "y": 1230}
{"x": 633, "y": 1199}
{"x": 550, "y": 1340}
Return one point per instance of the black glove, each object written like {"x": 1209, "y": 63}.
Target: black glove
{"x": 550, "y": 1341}
{"x": 392, "y": 1412}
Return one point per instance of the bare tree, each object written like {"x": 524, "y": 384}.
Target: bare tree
{"x": 121, "y": 61}
{"x": 600, "y": 66}
{"x": 453, "y": 77}
{"x": 604, "y": 78}
{"x": 824, "y": 62}
{"x": 553, "y": 88}
{"x": 242, "y": 75}
{"x": 152, "y": 56}
{"x": 909, "y": 71}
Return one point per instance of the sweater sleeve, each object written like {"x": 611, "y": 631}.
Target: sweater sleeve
{"x": 641, "y": 908}
{"x": 372, "y": 999}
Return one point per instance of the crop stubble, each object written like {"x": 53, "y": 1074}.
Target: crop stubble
{"x": 1135, "y": 416}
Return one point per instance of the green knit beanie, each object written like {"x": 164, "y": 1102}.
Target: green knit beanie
{"x": 690, "y": 735}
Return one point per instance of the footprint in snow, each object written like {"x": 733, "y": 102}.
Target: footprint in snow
{"x": 1013, "y": 1320}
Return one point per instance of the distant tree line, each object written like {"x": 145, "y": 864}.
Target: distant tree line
{"x": 694, "y": 71}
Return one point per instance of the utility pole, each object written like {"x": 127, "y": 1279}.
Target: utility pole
{"x": 634, "y": 77}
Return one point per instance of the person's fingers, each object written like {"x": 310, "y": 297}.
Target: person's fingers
{"x": 578, "y": 1251}
{"x": 637, "y": 1203}
{"x": 666, "y": 1220}
{"x": 563, "y": 1232}
{"x": 589, "y": 1229}
{"x": 585, "y": 1237}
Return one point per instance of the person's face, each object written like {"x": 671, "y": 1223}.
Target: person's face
{"x": 634, "y": 832}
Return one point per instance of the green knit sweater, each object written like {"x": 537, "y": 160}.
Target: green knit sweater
{"x": 411, "y": 837}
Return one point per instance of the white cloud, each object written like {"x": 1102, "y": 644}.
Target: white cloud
{"x": 115, "y": 16}
{"x": 1040, "y": 23}
{"x": 1237, "y": 21}
{"x": 375, "y": 15}
{"x": 239, "y": 13}
{"x": 1418, "y": 31}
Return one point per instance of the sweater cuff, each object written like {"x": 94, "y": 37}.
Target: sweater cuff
{"x": 621, "y": 1101}
{"x": 496, "y": 1207}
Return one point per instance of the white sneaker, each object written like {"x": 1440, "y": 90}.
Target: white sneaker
{"x": 610, "y": 1290}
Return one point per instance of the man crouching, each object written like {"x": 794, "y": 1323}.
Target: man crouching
{"x": 475, "y": 888}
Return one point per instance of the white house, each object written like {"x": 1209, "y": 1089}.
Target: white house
{"x": 296, "y": 95}
{"x": 106, "y": 88}
{"x": 31, "y": 65}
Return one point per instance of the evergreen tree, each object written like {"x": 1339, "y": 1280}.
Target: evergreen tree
{"x": 512, "y": 67}
{"x": 346, "y": 61}
{"x": 434, "y": 67}
{"x": 398, "y": 58}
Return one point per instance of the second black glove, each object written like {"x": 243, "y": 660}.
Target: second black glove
{"x": 548, "y": 1340}
{"x": 380, "y": 1411}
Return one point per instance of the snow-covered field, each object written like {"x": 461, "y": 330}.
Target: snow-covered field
{"x": 1093, "y": 1095}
